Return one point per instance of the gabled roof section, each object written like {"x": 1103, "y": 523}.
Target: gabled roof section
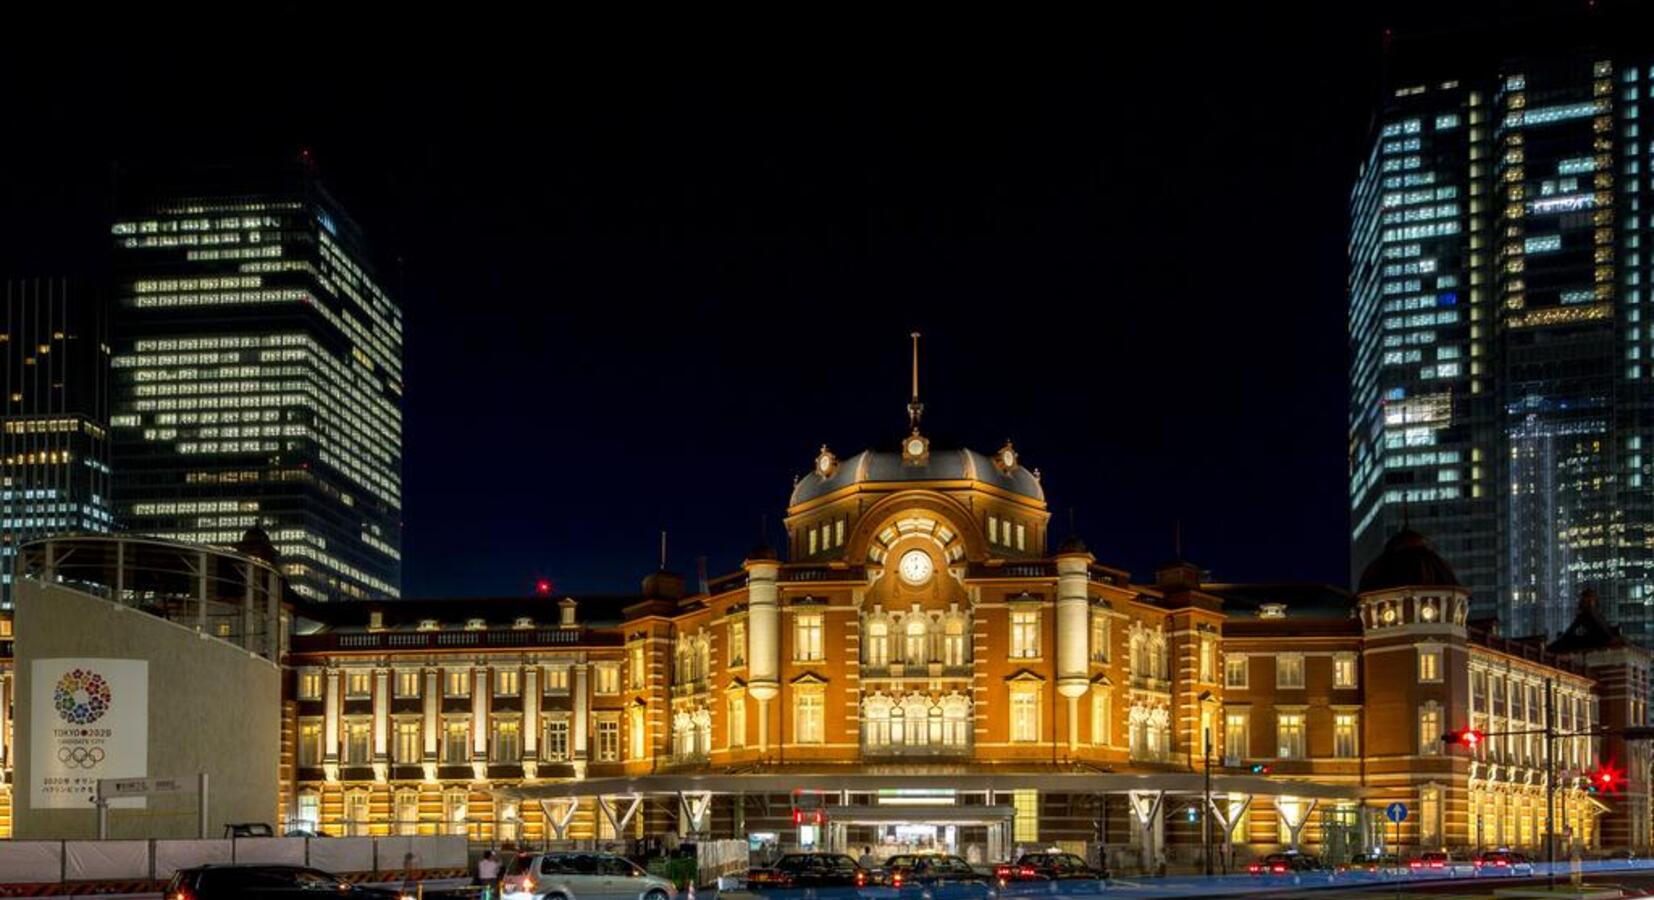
{"x": 1589, "y": 631}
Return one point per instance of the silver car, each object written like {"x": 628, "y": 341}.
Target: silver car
{"x": 576, "y": 875}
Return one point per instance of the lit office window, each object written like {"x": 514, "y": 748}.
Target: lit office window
{"x": 1343, "y": 735}
{"x": 1430, "y": 664}
{"x": 1289, "y": 670}
{"x": 608, "y": 740}
{"x": 1025, "y": 634}
{"x": 1289, "y": 735}
{"x": 808, "y": 715}
{"x": 556, "y": 745}
{"x": 1234, "y": 670}
{"x": 807, "y": 637}
{"x": 408, "y": 750}
{"x": 1024, "y": 715}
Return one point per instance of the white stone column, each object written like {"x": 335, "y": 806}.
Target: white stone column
{"x": 531, "y": 712}
{"x": 579, "y": 690}
{"x": 381, "y": 713}
{"x": 763, "y": 641}
{"x": 1073, "y": 631}
{"x": 330, "y": 721}
{"x": 479, "y": 722}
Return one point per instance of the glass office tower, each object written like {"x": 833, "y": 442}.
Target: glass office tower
{"x": 54, "y": 424}
{"x": 1500, "y": 399}
{"x": 258, "y": 376}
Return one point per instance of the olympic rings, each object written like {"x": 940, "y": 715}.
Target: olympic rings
{"x": 80, "y": 757}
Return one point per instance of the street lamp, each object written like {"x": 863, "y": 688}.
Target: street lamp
{"x": 1206, "y": 773}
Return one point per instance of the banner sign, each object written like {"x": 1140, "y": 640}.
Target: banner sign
{"x": 89, "y": 721}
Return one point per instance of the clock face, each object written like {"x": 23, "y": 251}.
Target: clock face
{"x": 915, "y": 447}
{"x": 915, "y": 567}
{"x": 824, "y": 463}
{"x": 1389, "y": 614}
{"x": 1008, "y": 458}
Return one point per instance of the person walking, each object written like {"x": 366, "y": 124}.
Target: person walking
{"x": 867, "y": 861}
{"x": 488, "y": 874}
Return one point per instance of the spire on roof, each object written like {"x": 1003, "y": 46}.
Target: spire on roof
{"x": 915, "y": 409}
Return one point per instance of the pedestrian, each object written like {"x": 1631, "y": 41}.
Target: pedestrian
{"x": 488, "y": 872}
{"x": 867, "y": 861}
{"x": 410, "y": 884}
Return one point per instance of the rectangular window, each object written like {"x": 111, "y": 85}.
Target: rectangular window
{"x": 358, "y": 752}
{"x": 407, "y": 748}
{"x": 993, "y": 529}
{"x": 455, "y": 809}
{"x": 1289, "y": 670}
{"x": 407, "y": 812}
{"x": 1024, "y": 634}
{"x": 1430, "y": 664}
{"x": 807, "y": 637}
{"x": 557, "y": 679}
{"x": 1237, "y": 735}
{"x": 1430, "y": 731}
{"x": 1289, "y": 735}
{"x": 608, "y": 679}
{"x": 635, "y": 669}
{"x": 1208, "y": 655}
{"x": 1343, "y": 670}
{"x": 608, "y": 740}
{"x": 838, "y": 533}
{"x": 1234, "y": 670}
{"x": 310, "y": 686}
{"x": 508, "y": 741}
{"x": 556, "y": 747}
{"x": 1025, "y": 816}
{"x": 358, "y": 684}
{"x": 457, "y": 683}
{"x": 808, "y": 717}
{"x": 1343, "y": 735}
{"x": 1024, "y": 716}
{"x": 310, "y": 743}
{"x": 407, "y": 683}
{"x": 1022, "y": 537}
{"x": 737, "y": 642}
{"x": 1101, "y": 711}
{"x": 456, "y": 738}
{"x": 1100, "y": 633}
{"x": 505, "y": 682}
{"x": 738, "y": 721}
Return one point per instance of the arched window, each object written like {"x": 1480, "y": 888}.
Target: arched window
{"x": 876, "y": 720}
{"x": 956, "y": 720}
{"x": 703, "y": 733}
{"x": 916, "y": 652}
{"x": 955, "y": 652}
{"x": 898, "y": 726}
{"x": 916, "y": 710}
{"x": 635, "y": 731}
{"x": 877, "y": 652}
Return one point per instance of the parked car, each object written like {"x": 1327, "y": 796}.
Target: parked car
{"x": 265, "y": 882}
{"x": 1502, "y": 862}
{"x": 580, "y": 876}
{"x": 1287, "y": 863}
{"x": 801, "y": 870}
{"x": 1439, "y": 864}
{"x": 1374, "y": 864}
{"x": 249, "y": 830}
{"x": 934, "y": 875}
{"x": 1047, "y": 866}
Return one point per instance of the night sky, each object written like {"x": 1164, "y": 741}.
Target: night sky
{"x": 643, "y": 283}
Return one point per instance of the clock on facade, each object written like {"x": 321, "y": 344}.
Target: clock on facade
{"x": 915, "y": 447}
{"x": 915, "y": 567}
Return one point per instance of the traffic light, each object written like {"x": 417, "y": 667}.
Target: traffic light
{"x": 1469, "y": 738}
{"x": 1194, "y": 815}
{"x": 1262, "y": 768}
{"x": 798, "y": 816}
{"x": 1606, "y": 779}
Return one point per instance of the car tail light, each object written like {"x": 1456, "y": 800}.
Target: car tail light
{"x": 1436, "y": 864}
{"x": 1026, "y": 872}
{"x": 1002, "y": 871}
{"x": 184, "y": 892}
{"x": 1501, "y": 862}
{"x": 861, "y": 878}
{"x": 896, "y": 879}
{"x": 1278, "y": 868}
{"x": 1415, "y": 864}
{"x": 1254, "y": 868}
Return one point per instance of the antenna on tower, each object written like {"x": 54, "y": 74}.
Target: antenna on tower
{"x": 700, "y": 575}
{"x": 915, "y": 409}
{"x": 663, "y": 549}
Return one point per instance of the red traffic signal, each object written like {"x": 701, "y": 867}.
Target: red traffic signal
{"x": 1607, "y": 778}
{"x": 1466, "y": 737}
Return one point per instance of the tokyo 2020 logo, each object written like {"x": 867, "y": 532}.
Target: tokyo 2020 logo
{"x": 82, "y": 697}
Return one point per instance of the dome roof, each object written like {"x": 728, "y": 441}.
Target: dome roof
{"x": 879, "y": 466}
{"x": 1407, "y": 561}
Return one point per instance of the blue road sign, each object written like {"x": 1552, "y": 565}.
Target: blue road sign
{"x": 1395, "y": 812}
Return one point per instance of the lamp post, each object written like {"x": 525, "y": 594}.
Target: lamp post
{"x": 1206, "y": 778}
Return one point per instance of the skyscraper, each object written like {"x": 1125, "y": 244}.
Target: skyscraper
{"x": 54, "y": 424}
{"x": 258, "y": 375}
{"x": 1500, "y": 396}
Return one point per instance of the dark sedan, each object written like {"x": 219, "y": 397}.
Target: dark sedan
{"x": 939, "y": 876}
{"x": 265, "y": 882}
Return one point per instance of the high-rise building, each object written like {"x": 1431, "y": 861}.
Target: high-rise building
{"x": 258, "y": 375}
{"x": 1500, "y": 395}
{"x": 54, "y": 424}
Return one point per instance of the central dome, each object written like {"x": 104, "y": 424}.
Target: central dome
{"x": 872, "y": 467}
{"x": 1408, "y": 560}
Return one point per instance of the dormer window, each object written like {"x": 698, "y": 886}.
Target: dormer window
{"x": 1272, "y": 610}
{"x": 475, "y": 625}
{"x": 429, "y": 625}
{"x": 376, "y": 620}
{"x": 523, "y": 623}
{"x": 1008, "y": 534}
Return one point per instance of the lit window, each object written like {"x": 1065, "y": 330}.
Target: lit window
{"x": 637, "y": 667}
{"x": 916, "y": 651}
{"x": 408, "y": 750}
{"x": 505, "y": 682}
{"x": 407, "y": 812}
{"x": 1024, "y": 715}
{"x": 1234, "y": 670}
{"x": 608, "y": 678}
{"x": 556, "y": 747}
{"x": 1289, "y": 735}
{"x": 1208, "y": 652}
{"x": 877, "y": 651}
{"x": 955, "y": 649}
{"x": 807, "y": 637}
{"x": 1343, "y": 670}
{"x": 738, "y": 642}
{"x": 1430, "y": 730}
{"x": 1430, "y": 664}
{"x": 808, "y": 709}
{"x": 455, "y": 741}
{"x": 1025, "y": 634}
{"x": 557, "y": 679}
{"x": 637, "y": 735}
{"x": 738, "y": 720}
{"x": 508, "y": 747}
{"x": 357, "y": 749}
{"x": 407, "y": 683}
{"x": 1101, "y": 714}
{"x": 1289, "y": 670}
{"x": 1236, "y": 735}
{"x": 1100, "y": 633}
{"x": 1025, "y": 816}
{"x": 1343, "y": 735}
{"x": 310, "y": 686}
{"x": 310, "y": 743}
{"x": 608, "y": 740}
{"x": 358, "y": 684}
{"x": 458, "y": 683}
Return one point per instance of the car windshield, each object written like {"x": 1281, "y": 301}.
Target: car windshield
{"x": 520, "y": 863}
{"x": 901, "y": 861}
{"x": 1435, "y": 857}
{"x": 839, "y": 864}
